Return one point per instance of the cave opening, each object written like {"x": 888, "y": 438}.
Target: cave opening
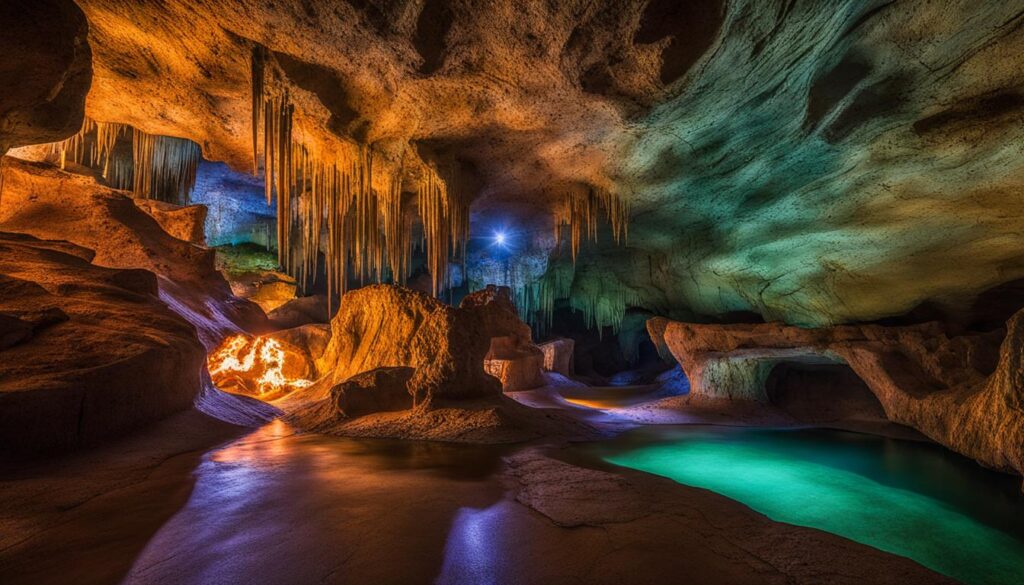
{"x": 822, "y": 392}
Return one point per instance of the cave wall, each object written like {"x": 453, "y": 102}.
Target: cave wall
{"x": 840, "y": 164}
{"x": 45, "y": 70}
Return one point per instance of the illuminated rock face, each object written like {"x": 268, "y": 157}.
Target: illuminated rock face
{"x": 95, "y": 352}
{"x": 958, "y": 390}
{"x": 512, "y": 357}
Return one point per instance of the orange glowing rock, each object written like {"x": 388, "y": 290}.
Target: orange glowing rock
{"x": 258, "y": 366}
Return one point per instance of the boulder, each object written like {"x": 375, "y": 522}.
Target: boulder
{"x": 965, "y": 392}
{"x": 90, "y": 352}
{"x": 516, "y": 371}
{"x": 512, "y": 357}
{"x": 390, "y": 326}
{"x": 298, "y": 311}
{"x": 558, "y": 355}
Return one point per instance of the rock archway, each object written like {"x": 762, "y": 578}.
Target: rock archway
{"x": 962, "y": 391}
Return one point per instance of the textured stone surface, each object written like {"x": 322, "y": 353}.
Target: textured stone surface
{"x": 380, "y": 390}
{"x": 515, "y": 369}
{"x": 512, "y": 358}
{"x": 104, "y": 354}
{"x": 297, "y": 311}
{"x": 184, "y": 222}
{"x": 962, "y": 391}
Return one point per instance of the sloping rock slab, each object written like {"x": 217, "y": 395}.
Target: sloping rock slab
{"x": 116, "y": 358}
{"x": 48, "y": 203}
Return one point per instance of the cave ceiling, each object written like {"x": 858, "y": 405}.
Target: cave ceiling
{"x": 813, "y": 164}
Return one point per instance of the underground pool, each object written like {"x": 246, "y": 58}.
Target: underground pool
{"x": 909, "y": 498}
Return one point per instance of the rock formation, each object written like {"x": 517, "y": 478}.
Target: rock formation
{"x": 388, "y": 326}
{"x": 512, "y": 358}
{"x": 380, "y": 390}
{"x": 185, "y": 222}
{"x": 48, "y": 203}
{"x": 558, "y": 356}
{"x": 402, "y": 364}
{"x": 88, "y": 352}
{"x": 117, "y": 233}
{"x": 960, "y": 391}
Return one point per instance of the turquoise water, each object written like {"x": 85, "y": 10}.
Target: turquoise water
{"x": 912, "y": 499}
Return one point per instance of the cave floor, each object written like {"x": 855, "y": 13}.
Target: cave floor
{"x": 193, "y": 500}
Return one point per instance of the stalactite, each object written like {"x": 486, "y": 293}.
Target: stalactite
{"x": 368, "y": 230}
{"x": 164, "y": 167}
{"x": 259, "y": 59}
{"x": 434, "y": 204}
{"x": 604, "y": 304}
{"x": 535, "y": 300}
{"x": 578, "y": 214}
{"x": 158, "y": 167}
{"x": 78, "y": 148}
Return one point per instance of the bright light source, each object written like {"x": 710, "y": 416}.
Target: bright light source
{"x": 499, "y": 238}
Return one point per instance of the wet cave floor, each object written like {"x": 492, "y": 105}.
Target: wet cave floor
{"x": 194, "y": 500}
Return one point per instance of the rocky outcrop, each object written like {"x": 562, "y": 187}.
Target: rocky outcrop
{"x": 48, "y": 203}
{"x": 46, "y": 71}
{"x": 515, "y": 370}
{"x": 89, "y": 352}
{"x": 402, "y": 364}
{"x": 964, "y": 392}
{"x": 512, "y": 358}
{"x": 558, "y": 355}
{"x": 388, "y": 326}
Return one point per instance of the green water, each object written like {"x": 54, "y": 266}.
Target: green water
{"x": 912, "y": 499}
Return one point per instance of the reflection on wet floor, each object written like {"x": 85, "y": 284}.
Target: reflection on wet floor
{"x": 611, "y": 396}
{"x": 277, "y": 443}
{"x": 473, "y": 551}
{"x": 276, "y": 507}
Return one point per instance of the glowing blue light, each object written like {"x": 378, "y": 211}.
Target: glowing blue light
{"x": 499, "y": 238}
